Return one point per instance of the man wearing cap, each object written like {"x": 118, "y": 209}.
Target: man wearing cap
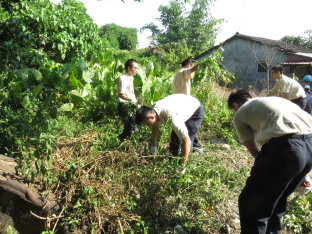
{"x": 285, "y": 133}
{"x": 288, "y": 88}
{"x": 185, "y": 113}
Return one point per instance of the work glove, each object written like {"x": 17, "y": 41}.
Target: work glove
{"x": 134, "y": 102}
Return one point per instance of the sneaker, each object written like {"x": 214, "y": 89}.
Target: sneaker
{"x": 199, "y": 150}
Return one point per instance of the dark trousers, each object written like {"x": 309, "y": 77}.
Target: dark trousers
{"x": 302, "y": 102}
{"x": 277, "y": 171}
{"x": 126, "y": 112}
{"x": 193, "y": 125}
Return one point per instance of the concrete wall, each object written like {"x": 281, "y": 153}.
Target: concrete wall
{"x": 242, "y": 56}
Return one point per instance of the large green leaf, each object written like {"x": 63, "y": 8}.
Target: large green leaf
{"x": 35, "y": 74}
{"x": 37, "y": 89}
{"x": 66, "y": 107}
{"x": 26, "y": 101}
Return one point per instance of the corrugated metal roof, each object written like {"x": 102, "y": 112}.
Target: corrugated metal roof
{"x": 296, "y": 63}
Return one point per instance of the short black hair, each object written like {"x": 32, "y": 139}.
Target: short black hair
{"x": 187, "y": 61}
{"x": 238, "y": 96}
{"x": 129, "y": 63}
{"x": 141, "y": 114}
{"x": 277, "y": 68}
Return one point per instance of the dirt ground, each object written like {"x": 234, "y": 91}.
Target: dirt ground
{"x": 235, "y": 159}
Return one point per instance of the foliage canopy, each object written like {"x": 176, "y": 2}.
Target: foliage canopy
{"x": 119, "y": 37}
{"x": 194, "y": 26}
{"x": 305, "y": 41}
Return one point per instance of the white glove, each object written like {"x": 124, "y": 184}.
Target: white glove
{"x": 134, "y": 102}
{"x": 154, "y": 149}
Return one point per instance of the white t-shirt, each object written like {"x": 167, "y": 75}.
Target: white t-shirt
{"x": 179, "y": 108}
{"x": 182, "y": 81}
{"x": 267, "y": 117}
{"x": 290, "y": 86}
{"x": 125, "y": 86}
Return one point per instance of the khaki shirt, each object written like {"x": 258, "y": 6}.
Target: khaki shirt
{"x": 125, "y": 86}
{"x": 267, "y": 117}
{"x": 290, "y": 86}
{"x": 182, "y": 81}
{"x": 178, "y": 108}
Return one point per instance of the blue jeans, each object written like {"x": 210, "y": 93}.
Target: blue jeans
{"x": 277, "y": 171}
{"x": 193, "y": 125}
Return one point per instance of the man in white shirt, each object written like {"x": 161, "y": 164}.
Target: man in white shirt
{"x": 288, "y": 88}
{"x": 185, "y": 113}
{"x": 127, "y": 99}
{"x": 284, "y": 131}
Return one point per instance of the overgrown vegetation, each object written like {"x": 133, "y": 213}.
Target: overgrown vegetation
{"x": 58, "y": 117}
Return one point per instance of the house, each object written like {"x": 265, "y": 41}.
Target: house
{"x": 250, "y": 59}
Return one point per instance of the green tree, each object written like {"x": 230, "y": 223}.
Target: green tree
{"x": 196, "y": 26}
{"x": 304, "y": 41}
{"x": 119, "y": 37}
{"x": 33, "y": 29}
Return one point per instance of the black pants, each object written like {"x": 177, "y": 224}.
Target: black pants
{"x": 126, "y": 112}
{"x": 302, "y": 102}
{"x": 276, "y": 173}
{"x": 193, "y": 125}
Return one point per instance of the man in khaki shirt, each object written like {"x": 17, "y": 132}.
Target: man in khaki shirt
{"x": 288, "y": 88}
{"x": 284, "y": 131}
{"x": 182, "y": 80}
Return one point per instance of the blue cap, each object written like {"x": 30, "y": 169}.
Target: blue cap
{"x": 307, "y": 78}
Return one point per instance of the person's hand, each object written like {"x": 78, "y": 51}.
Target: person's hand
{"x": 134, "y": 102}
{"x": 154, "y": 149}
{"x": 140, "y": 101}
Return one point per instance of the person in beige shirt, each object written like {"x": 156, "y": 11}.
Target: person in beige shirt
{"x": 182, "y": 80}
{"x": 288, "y": 88}
{"x": 284, "y": 132}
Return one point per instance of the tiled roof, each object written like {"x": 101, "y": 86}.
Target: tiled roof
{"x": 282, "y": 45}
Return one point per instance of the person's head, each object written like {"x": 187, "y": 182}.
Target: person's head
{"x": 131, "y": 67}
{"x": 188, "y": 63}
{"x": 237, "y": 98}
{"x": 147, "y": 116}
{"x": 307, "y": 88}
{"x": 277, "y": 71}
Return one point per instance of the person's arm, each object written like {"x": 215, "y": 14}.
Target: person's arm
{"x": 252, "y": 147}
{"x": 186, "y": 143}
{"x": 272, "y": 93}
{"x": 125, "y": 97}
{"x": 195, "y": 68}
{"x": 285, "y": 95}
{"x": 275, "y": 90}
{"x": 155, "y": 132}
{"x": 188, "y": 74}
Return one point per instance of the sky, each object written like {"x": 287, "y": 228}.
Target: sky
{"x": 270, "y": 19}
